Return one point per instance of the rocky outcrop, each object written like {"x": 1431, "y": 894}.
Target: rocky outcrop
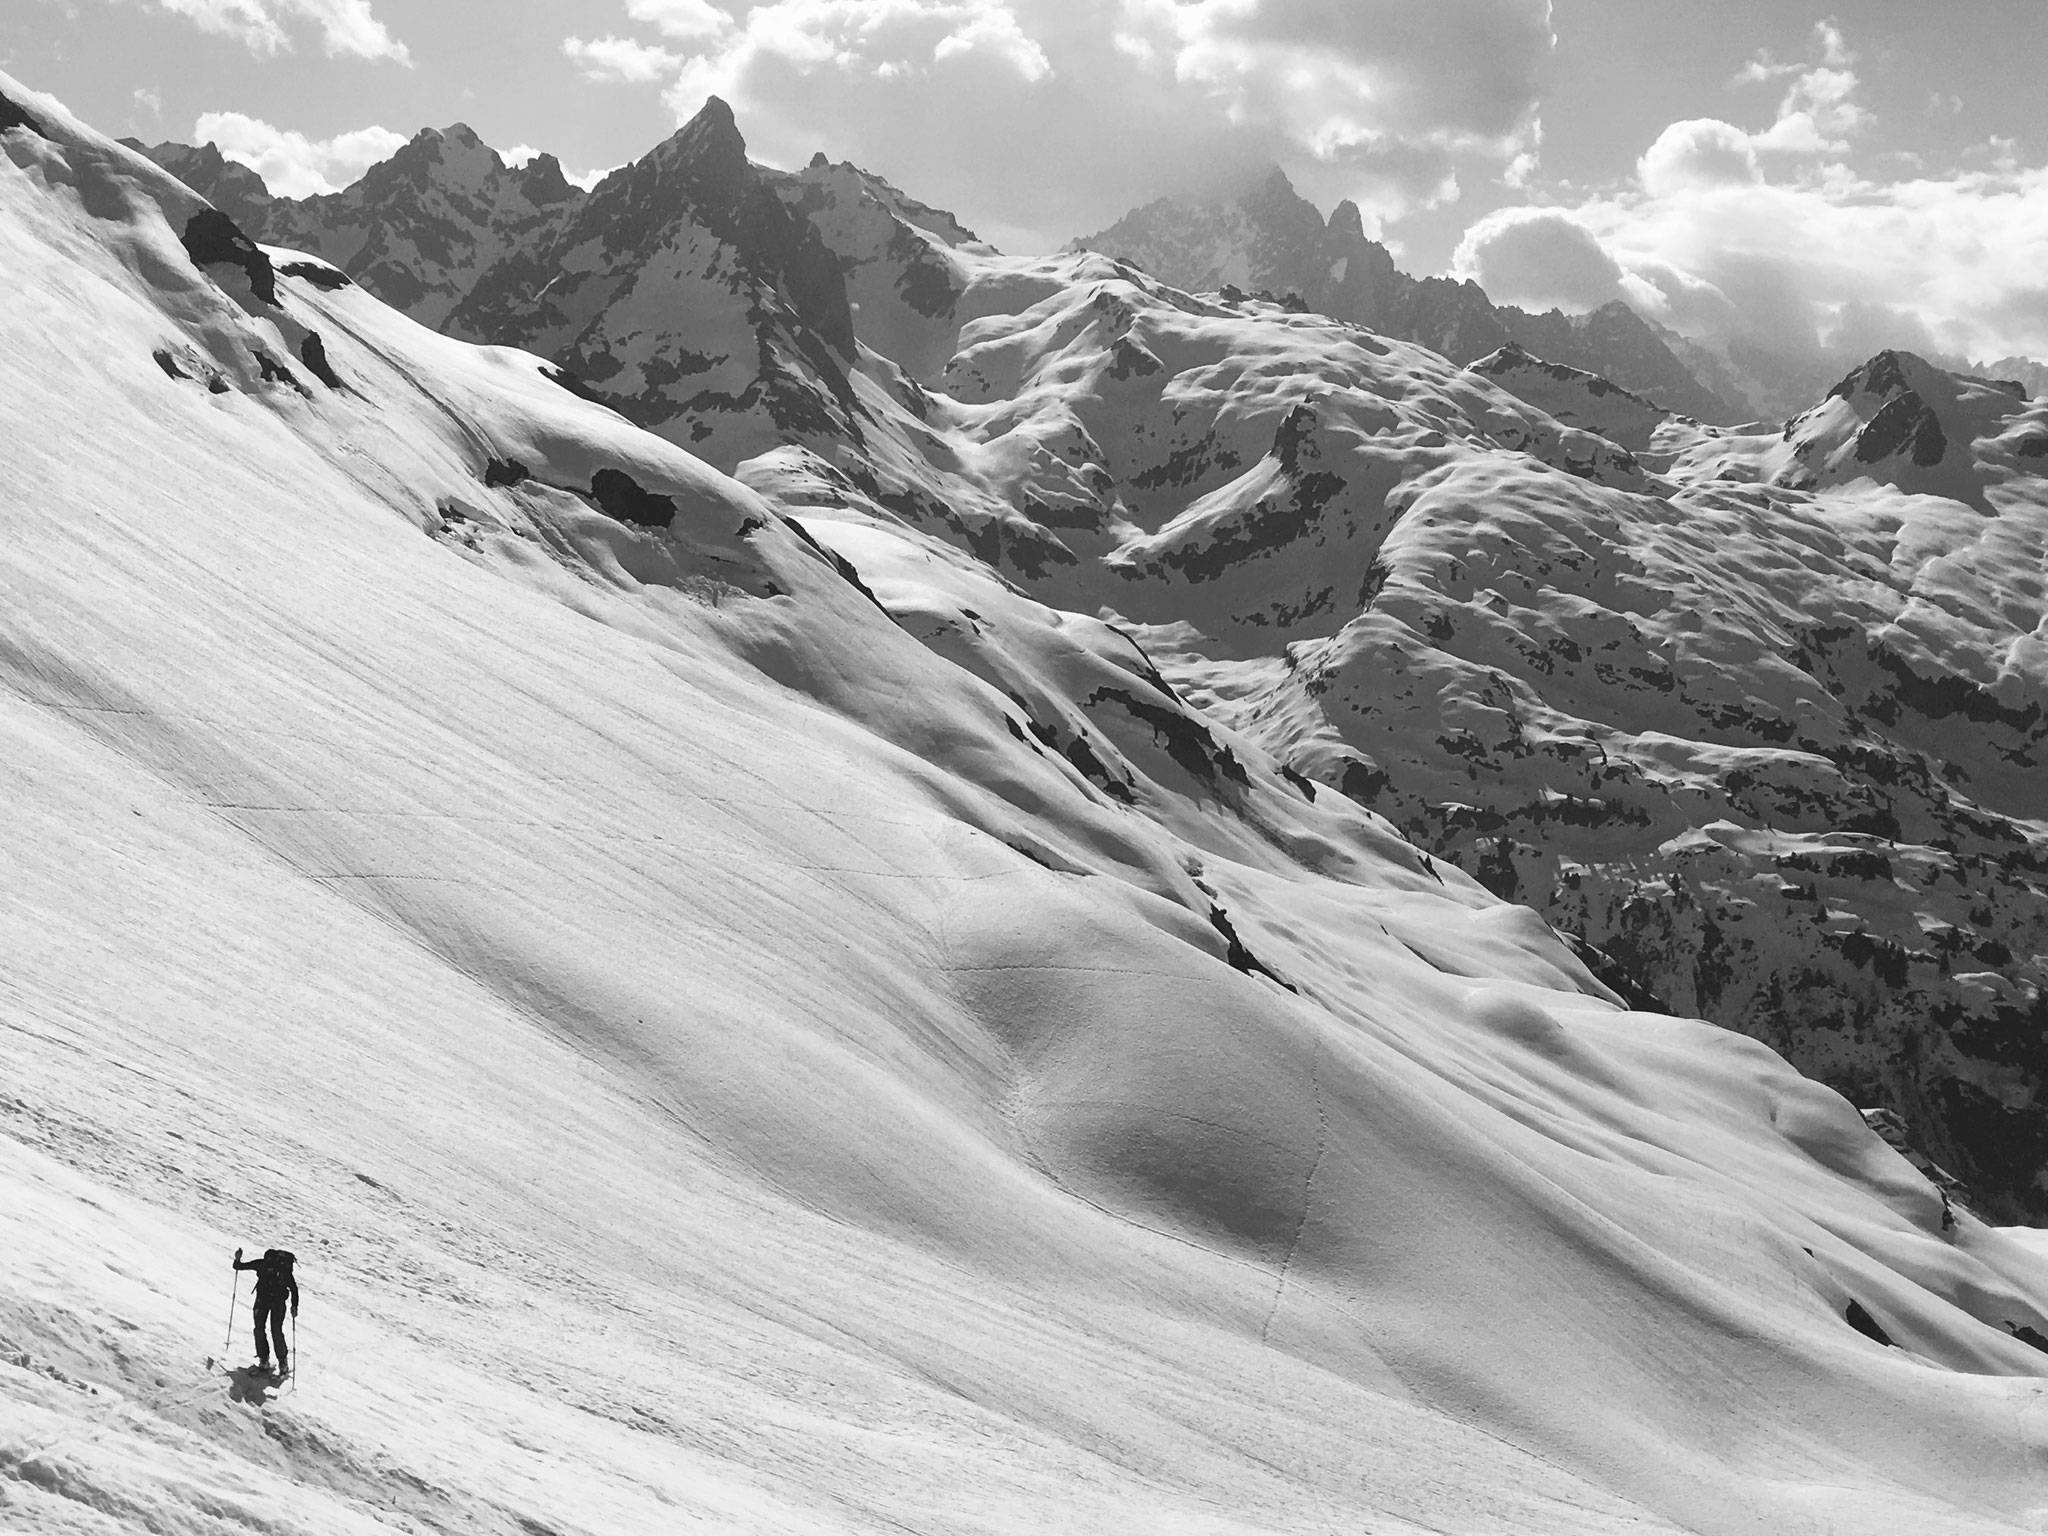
{"x": 418, "y": 230}
{"x": 689, "y": 296}
{"x": 1271, "y": 240}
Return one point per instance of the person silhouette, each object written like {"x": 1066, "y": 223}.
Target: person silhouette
{"x": 275, "y": 1285}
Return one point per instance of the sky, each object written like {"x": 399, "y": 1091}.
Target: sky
{"x": 1871, "y": 170}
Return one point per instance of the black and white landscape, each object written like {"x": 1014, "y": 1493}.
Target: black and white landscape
{"x": 833, "y": 881}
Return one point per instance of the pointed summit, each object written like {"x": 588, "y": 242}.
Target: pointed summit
{"x": 709, "y": 154}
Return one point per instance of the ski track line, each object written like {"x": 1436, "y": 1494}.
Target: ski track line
{"x": 1315, "y": 1073}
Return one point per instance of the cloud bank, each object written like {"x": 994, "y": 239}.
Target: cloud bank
{"x": 291, "y": 164}
{"x": 1770, "y": 237}
{"x": 347, "y": 27}
{"x": 1078, "y": 109}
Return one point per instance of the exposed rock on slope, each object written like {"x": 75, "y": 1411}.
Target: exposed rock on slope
{"x": 1272, "y": 239}
{"x": 419, "y": 230}
{"x": 689, "y": 295}
{"x": 1575, "y": 397}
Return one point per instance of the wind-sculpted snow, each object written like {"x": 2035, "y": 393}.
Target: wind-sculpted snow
{"x": 752, "y": 1020}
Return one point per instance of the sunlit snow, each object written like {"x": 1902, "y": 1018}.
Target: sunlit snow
{"x": 736, "y": 1045}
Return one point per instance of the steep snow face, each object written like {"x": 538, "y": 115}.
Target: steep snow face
{"x": 1272, "y": 241}
{"x": 730, "y": 1055}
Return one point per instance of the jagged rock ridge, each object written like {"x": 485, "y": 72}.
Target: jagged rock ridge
{"x": 1272, "y": 239}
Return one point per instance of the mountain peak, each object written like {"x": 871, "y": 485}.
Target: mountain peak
{"x": 1887, "y": 373}
{"x": 713, "y": 126}
{"x": 709, "y": 149}
{"x": 1346, "y": 222}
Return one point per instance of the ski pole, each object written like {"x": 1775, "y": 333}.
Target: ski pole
{"x": 234, "y": 1296}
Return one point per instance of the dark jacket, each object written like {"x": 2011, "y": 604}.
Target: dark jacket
{"x": 274, "y": 1280}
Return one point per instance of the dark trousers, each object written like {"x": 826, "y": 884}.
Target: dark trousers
{"x": 272, "y": 1313}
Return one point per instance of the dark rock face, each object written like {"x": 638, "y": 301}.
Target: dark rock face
{"x": 14, "y": 115}
{"x": 319, "y": 274}
{"x": 313, "y": 353}
{"x": 1866, "y": 1325}
{"x": 211, "y": 236}
{"x": 1240, "y": 958}
{"x": 691, "y": 225}
{"x": 275, "y": 372}
{"x": 619, "y": 495}
{"x": 1903, "y": 423}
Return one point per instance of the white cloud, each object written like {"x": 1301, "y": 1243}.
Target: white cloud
{"x": 1699, "y": 152}
{"x": 1340, "y": 78}
{"x": 291, "y": 164}
{"x": 347, "y": 27}
{"x": 1539, "y": 258}
{"x": 995, "y": 31}
{"x": 1078, "y": 109}
{"x": 149, "y": 99}
{"x": 520, "y": 154}
{"x": 687, "y": 20}
{"x": 619, "y": 58}
{"x": 1817, "y": 113}
{"x": 1955, "y": 264}
{"x": 1774, "y": 238}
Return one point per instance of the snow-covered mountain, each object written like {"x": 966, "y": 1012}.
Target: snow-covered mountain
{"x": 1271, "y": 239}
{"x": 880, "y": 991}
{"x": 1776, "y": 383}
{"x": 420, "y": 229}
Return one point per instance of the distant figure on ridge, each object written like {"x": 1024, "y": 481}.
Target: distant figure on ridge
{"x": 274, "y": 1287}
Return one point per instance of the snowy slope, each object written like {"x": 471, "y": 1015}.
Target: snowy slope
{"x": 729, "y": 1059}
{"x": 1573, "y": 396}
{"x": 1773, "y": 751}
